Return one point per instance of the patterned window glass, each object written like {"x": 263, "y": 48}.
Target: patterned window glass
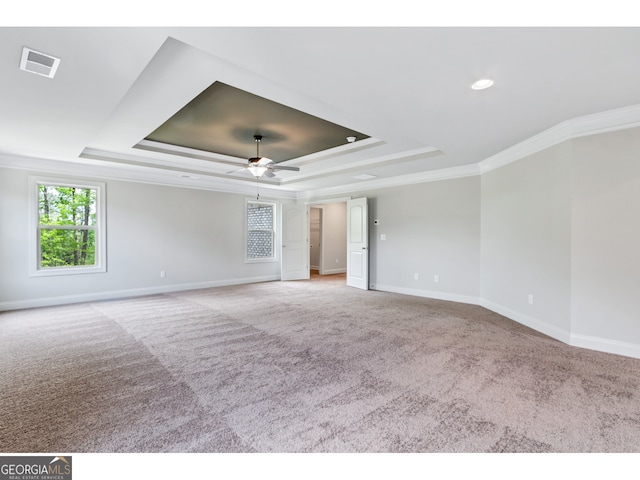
{"x": 260, "y": 231}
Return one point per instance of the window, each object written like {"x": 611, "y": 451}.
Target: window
{"x": 260, "y": 231}
{"x": 69, "y": 232}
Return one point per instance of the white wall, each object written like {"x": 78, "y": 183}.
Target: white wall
{"x": 194, "y": 235}
{"x": 431, "y": 229}
{"x": 562, "y": 225}
{"x": 605, "y": 257}
{"x": 526, "y": 240}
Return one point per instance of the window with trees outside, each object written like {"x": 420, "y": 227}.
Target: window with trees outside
{"x": 260, "y": 231}
{"x": 69, "y": 233}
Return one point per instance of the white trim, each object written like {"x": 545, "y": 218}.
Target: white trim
{"x": 451, "y": 297}
{"x": 401, "y": 180}
{"x": 141, "y": 169}
{"x": 603, "y": 122}
{"x": 333, "y": 271}
{"x": 609, "y": 121}
{"x": 105, "y": 170}
{"x": 35, "y": 270}
{"x": 364, "y": 144}
{"x": 329, "y": 201}
{"x": 393, "y": 158}
{"x": 534, "y": 323}
{"x": 605, "y": 345}
{"x": 136, "y": 292}
{"x": 575, "y": 340}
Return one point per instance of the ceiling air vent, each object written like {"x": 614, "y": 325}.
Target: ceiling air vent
{"x": 38, "y": 62}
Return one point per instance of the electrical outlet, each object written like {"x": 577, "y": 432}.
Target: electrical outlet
{"x": 436, "y": 278}
{"x": 383, "y": 236}
{"x": 163, "y": 274}
{"x": 416, "y": 276}
{"x": 530, "y": 299}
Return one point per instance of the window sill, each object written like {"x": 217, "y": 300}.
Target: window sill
{"x": 260, "y": 260}
{"x": 55, "y": 271}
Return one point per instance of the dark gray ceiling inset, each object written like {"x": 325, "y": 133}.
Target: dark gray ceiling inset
{"x": 224, "y": 119}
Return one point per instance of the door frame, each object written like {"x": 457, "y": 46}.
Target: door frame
{"x": 321, "y": 239}
{"x": 316, "y": 203}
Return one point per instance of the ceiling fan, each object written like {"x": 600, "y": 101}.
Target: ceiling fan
{"x": 262, "y": 166}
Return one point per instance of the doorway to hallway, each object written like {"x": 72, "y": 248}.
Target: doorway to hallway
{"x": 315, "y": 238}
{"x": 328, "y": 239}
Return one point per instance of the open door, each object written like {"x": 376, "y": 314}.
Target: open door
{"x": 295, "y": 242}
{"x": 357, "y": 244}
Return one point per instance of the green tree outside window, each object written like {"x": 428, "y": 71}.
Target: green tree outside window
{"x": 67, "y": 226}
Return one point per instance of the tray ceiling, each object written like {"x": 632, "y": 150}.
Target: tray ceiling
{"x": 224, "y": 119}
{"x": 120, "y": 105}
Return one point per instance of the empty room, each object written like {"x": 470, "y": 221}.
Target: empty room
{"x": 331, "y": 239}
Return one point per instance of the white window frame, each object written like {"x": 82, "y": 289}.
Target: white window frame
{"x": 274, "y": 256}
{"x": 35, "y": 269}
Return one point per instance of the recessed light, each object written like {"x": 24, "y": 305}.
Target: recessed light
{"x": 482, "y": 84}
{"x": 351, "y": 139}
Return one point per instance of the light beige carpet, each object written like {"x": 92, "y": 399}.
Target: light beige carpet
{"x": 310, "y": 366}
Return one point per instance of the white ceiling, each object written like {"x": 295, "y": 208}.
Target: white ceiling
{"x": 408, "y": 88}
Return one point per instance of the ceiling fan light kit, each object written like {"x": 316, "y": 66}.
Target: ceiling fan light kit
{"x": 262, "y": 166}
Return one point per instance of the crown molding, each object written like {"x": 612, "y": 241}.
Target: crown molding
{"x": 133, "y": 173}
{"x": 608, "y": 121}
{"x": 369, "y": 163}
{"x": 401, "y": 180}
{"x": 106, "y": 165}
{"x": 603, "y": 122}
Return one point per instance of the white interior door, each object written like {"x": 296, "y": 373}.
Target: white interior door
{"x": 357, "y": 244}
{"x": 295, "y": 242}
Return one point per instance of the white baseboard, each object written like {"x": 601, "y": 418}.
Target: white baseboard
{"x": 583, "y": 341}
{"x": 605, "y": 345}
{"x": 334, "y": 271}
{"x": 135, "y": 292}
{"x": 530, "y": 322}
{"x": 452, "y": 297}
{"x": 575, "y": 340}
{"x": 526, "y": 320}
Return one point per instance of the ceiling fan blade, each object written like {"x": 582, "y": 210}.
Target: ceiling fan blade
{"x": 243, "y": 169}
{"x": 283, "y": 167}
{"x": 263, "y": 166}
